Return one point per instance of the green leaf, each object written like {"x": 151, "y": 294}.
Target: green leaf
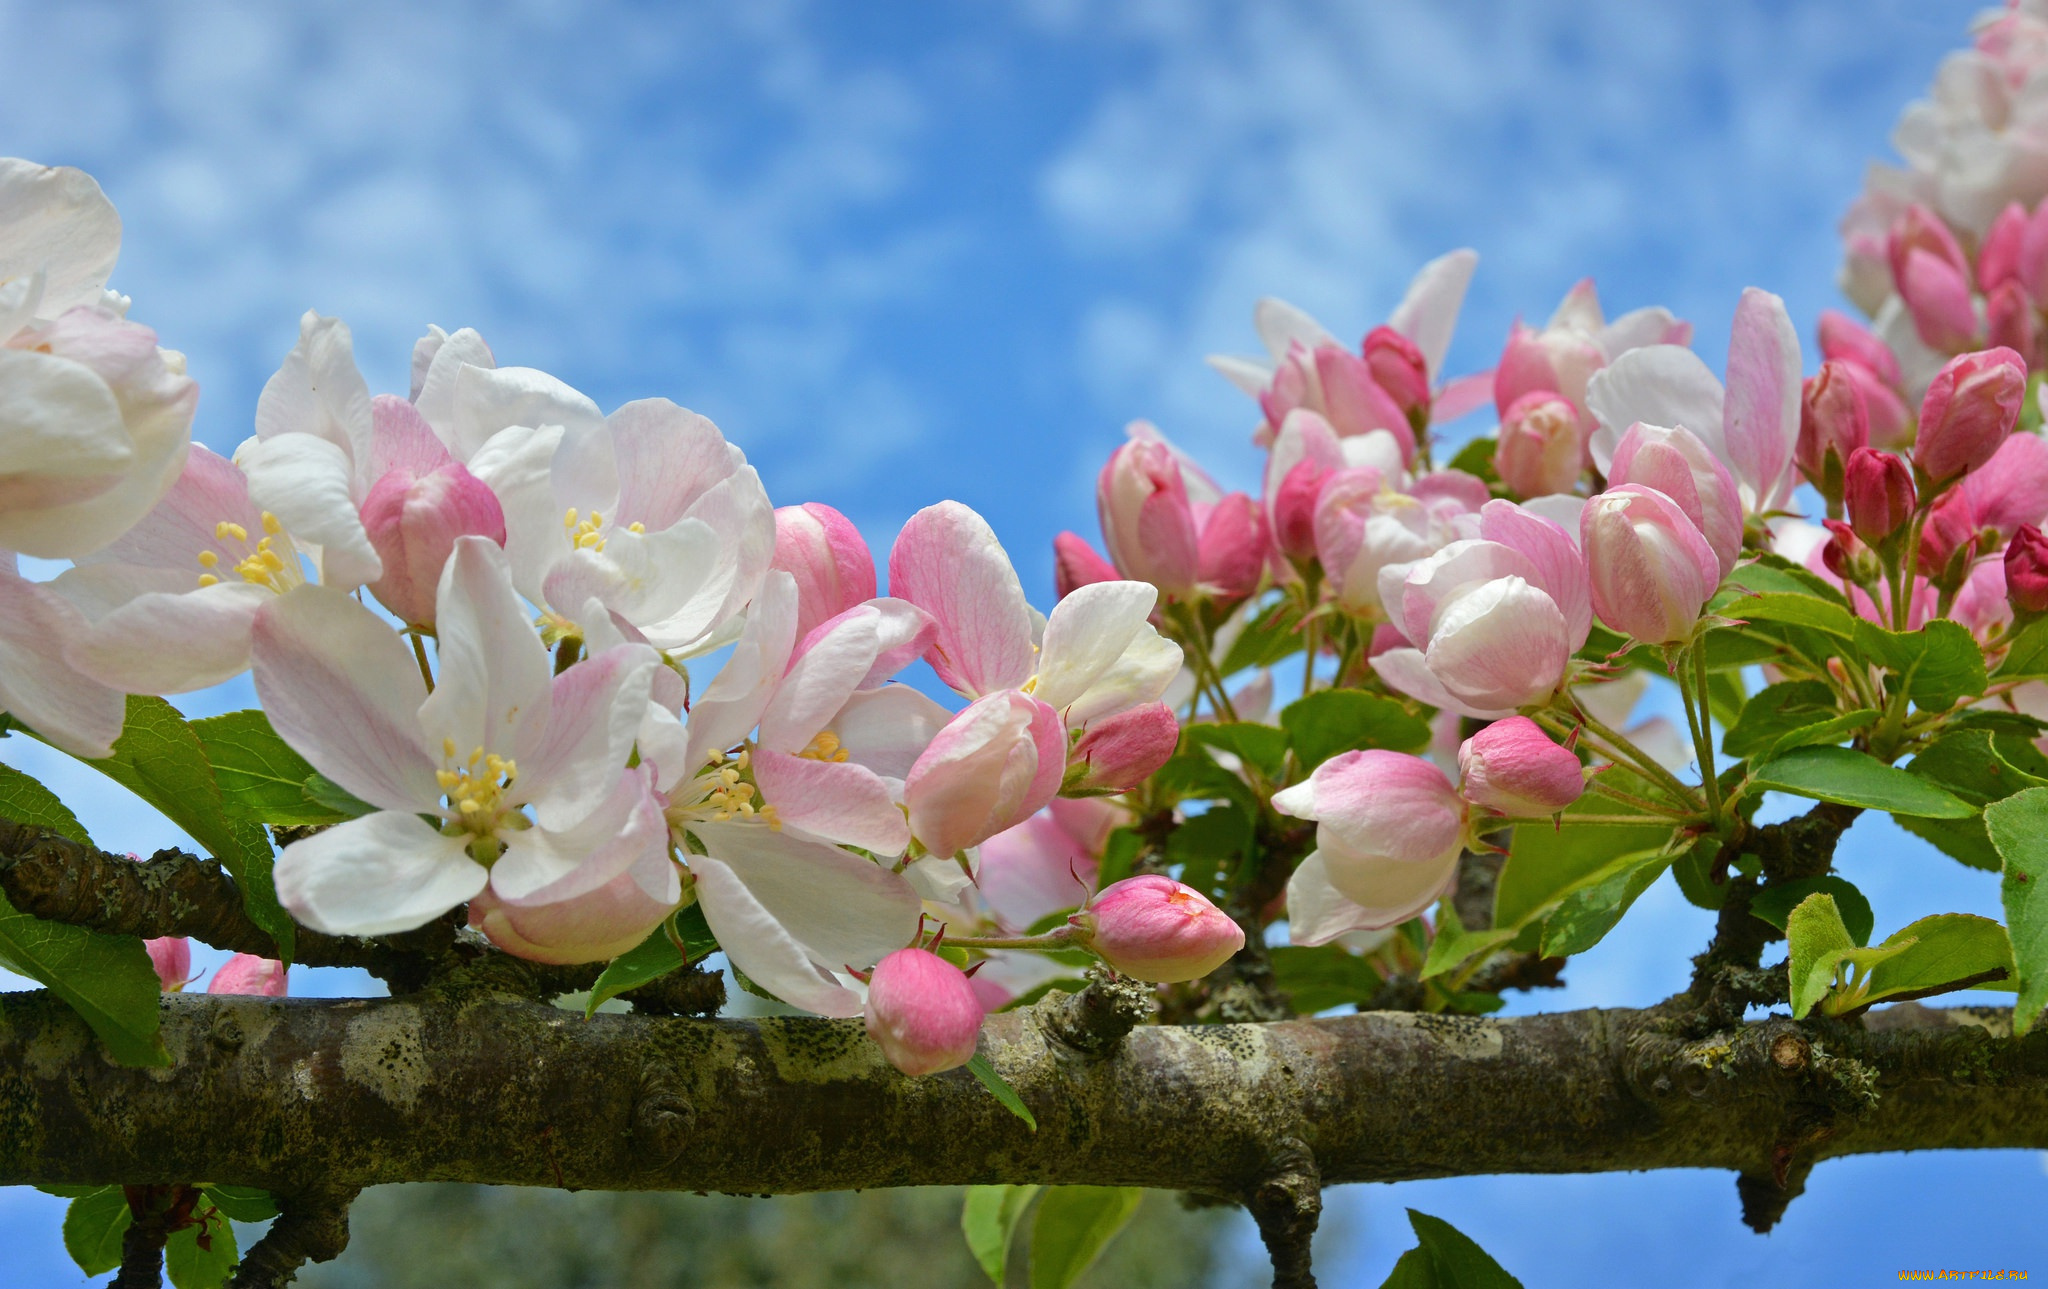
{"x": 1817, "y": 941}
{"x": 258, "y": 772}
{"x": 1937, "y": 954}
{"x": 1446, "y": 1258}
{"x": 1323, "y": 977}
{"x": 1545, "y": 863}
{"x": 1967, "y": 763}
{"x": 1074, "y": 1225}
{"x": 326, "y": 794}
{"x": 1476, "y": 459}
{"x": 107, "y": 979}
{"x": 1852, "y": 778}
{"x": 26, "y": 801}
{"x": 1261, "y": 746}
{"x": 1693, "y": 870}
{"x": 63, "y": 1191}
{"x": 93, "y": 1227}
{"x": 1589, "y": 913}
{"x": 1119, "y": 853}
{"x": 196, "y": 1265}
{"x": 2018, "y": 827}
{"x": 1800, "y": 610}
{"x": 1195, "y": 776}
{"x": 1939, "y": 665}
{"x": 1210, "y": 846}
{"x": 1825, "y": 733}
{"x": 243, "y": 1203}
{"x": 1774, "y": 903}
{"x": 654, "y": 957}
{"x": 1271, "y": 635}
{"x": 1776, "y": 711}
{"x": 160, "y": 759}
{"x": 1454, "y": 944}
{"x": 1963, "y": 840}
{"x": 2027, "y": 655}
{"x": 1774, "y": 574}
{"x": 1344, "y": 720}
{"x": 989, "y": 1220}
{"x": 979, "y": 1067}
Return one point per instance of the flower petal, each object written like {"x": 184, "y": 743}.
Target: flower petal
{"x": 1761, "y": 412}
{"x": 734, "y": 700}
{"x": 386, "y": 872}
{"x": 1660, "y": 385}
{"x": 306, "y": 482}
{"x": 492, "y": 687}
{"x": 762, "y": 948}
{"x": 318, "y": 390}
{"x": 838, "y": 801}
{"x": 37, "y": 687}
{"x": 1428, "y": 314}
{"x": 948, "y": 562}
{"x": 344, "y": 691}
{"x": 548, "y": 865}
{"x": 172, "y": 643}
{"x": 1085, "y": 635}
{"x": 887, "y": 729}
{"x": 596, "y": 708}
{"x": 1317, "y": 912}
{"x": 489, "y": 399}
{"x": 56, "y": 221}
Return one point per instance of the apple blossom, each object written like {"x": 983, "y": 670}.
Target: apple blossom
{"x": 1676, "y": 463}
{"x": 1075, "y": 564}
{"x": 1155, "y": 929}
{"x": 1577, "y": 341}
{"x": 1120, "y": 752}
{"x": 95, "y": 419}
{"x": 1870, "y": 364}
{"x": 922, "y": 1012}
{"x": 1878, "y": 490}
{"x": 1513, "y": 767}
{"x": 1652, "y": 570}
{"x": 524, "y": 771}
{"x": 826, "y": 555}
{"x": 171, "y": 956}
{"x": 1541, "y": 448}
{"x": 246, "y": 973}
{"x": 1972, "y": 405}
{"x": 1834, "y": 421}
{"x": 2026, "y": 570}
{"x": 1389, "y": 830}
{"x": 413, "y": 521}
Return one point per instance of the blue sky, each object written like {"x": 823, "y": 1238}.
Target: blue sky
{"x": 904, "y": 252}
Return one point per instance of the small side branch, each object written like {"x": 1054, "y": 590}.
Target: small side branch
{"x": 1287, "y": 1203}
{"x": 310, "y": 1227}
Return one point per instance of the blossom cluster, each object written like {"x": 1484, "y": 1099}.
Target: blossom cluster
{"x": 572, "y": 672}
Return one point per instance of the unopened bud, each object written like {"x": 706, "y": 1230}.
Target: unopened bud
{"x": 829, "y": 559}
{"x": 1879, "y": 491}
{"x": 1399, "y": 368}
{"x": 1845, "y": 555}
{"x": 2010, "y": 318}
{"x": 922, "y": 1012}
{"x": 2026, "y": 571}
{"x": 1998, "y": 259}
{"x": 1120, "y": 752}
{"x": 1075, "y": 565}
{"x": 245, "y": 973}
{"x": 1542, "y": 447}
{"x": 1652, "y": 570}
{"x": 171, "y": 955}
{"x": 1155, "y": 929}
{"x": 413, "y": 521}
{"x": 1834, "y": 421}
{"x": 1512, "y": 766}
{"x": 1972, "y": 404}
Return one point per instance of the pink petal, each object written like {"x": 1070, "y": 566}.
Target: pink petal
{"x": 1560, "y": 570}
{"x": 594, "y": 713}
{"x": 948, "y": 562}
{"x": 838, "y": 801}
{"x": 1760, "y": 416}
{"x": 345, "y": 692}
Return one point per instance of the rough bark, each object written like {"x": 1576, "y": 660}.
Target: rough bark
{"x": 309, "y": 1096}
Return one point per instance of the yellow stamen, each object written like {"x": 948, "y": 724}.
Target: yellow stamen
{"x": 208, "y": 579}
{"x": 226, "y": 529}
{"x": 208, "y": 559}
{"x": 271, "y": 524}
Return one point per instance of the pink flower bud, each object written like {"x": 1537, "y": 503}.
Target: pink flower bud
{"x": 1949, "y": 536}
{"x": 990, "y": 768}
{"x": 1878, "y": 489}
{"x": 827, "y": 556}
{"x": 2011, "y": 321}
{"x": 1542, "y": 446}
{"x": 2026, "y": 570}
{"x": 1998, "y": 259}
{"x": 1231, "y": 557}
{"x": 922, "y": 1012}
{"x": 1389, "y": 828}
{"x": 1971, "y": 406}
{"x": 1834, "y": 421}
{"x": 245, "y": 973}
{"x": 1155, "y": 929}
{"x": 413, "y": 521}
{"x": 1400, "y": 369}
{"x": 1676, "y": 463}
{"x": 1652, "y": 570}
{"x": 1147, "y": 523}
{"x": 1075, "y": 565}
{"x": 1354, "y": 402}
{"x": 1305, "y": 452}
{"x": 1938, "y": 298}
{"x": 1844, "y": 553}
{"x": 1512, "y": 766}
{"x": 1558, "y": 360}
{"x": 1843, "y": 339}
{"x": 171, "y": 955}
{"x": 1123, "y": 750}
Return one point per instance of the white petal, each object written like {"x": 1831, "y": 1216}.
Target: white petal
{"x": 345, "y": 692}
{"x": 434, "y": 387}
{"x": 846, "y": 910}
{"x": 1248, "y": 374}
{"x": 762, "y": 948}
{"x": 517, "y": 465}
{"x": 491, "y": 399}
{"x": 376, "y": 875}
{"x": 1281, "y": 325}
{"x": 1428, "y": 314}
{"x": 318, "y": 391}
{"x": 492, "y": 688}
{"x": 55, "y": 220}
{"x": 172, "y": 643}
{"x": 597, "y": 708}
{"x": 544, "y": 866}
{"x": 305, "y": 481}
{"x": 1085, "y": 635}
{"x": 1317, "y": 912}
{"x": 734, "y": 700}
{"x": 37, "y": 686}
{"x": 1658, "y": 384}
{"x": 887, "y": 729}
{"x": 1141, "y": 675}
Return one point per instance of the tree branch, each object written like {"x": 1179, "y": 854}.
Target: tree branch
{"x": 305, "y": 1096}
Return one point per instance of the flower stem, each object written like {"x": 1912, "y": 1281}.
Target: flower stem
{"x": 419, "y": 651}
{"x": 1057, "y": 938}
